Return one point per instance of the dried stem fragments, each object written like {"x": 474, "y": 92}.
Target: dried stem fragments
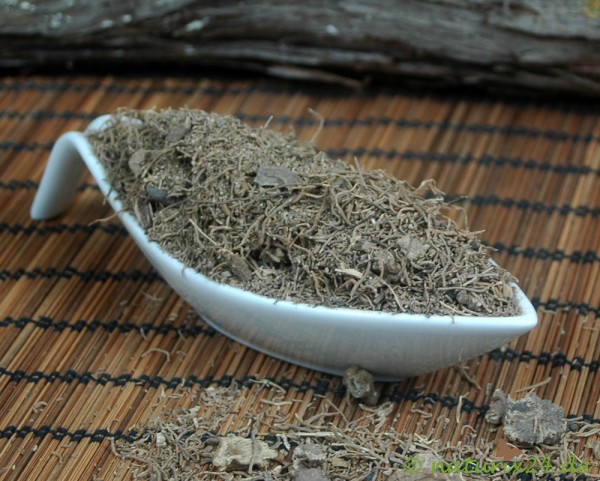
{"x": 326, "y": 445}
{"x": 262, "y": 211}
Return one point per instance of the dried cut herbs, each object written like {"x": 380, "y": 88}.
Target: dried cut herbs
{"x": 273, "y": 439}
{"x": 260, "y": 210}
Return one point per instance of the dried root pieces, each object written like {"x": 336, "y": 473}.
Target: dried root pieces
{"x": 360, "y": 385}
{"x": 260, "y": 210}
{"x": 308, "y": 461}
{"x": 242, "y": 453}
{"x": 528, "y": 421}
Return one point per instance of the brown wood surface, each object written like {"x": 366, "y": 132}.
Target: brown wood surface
{"x": 547, "y": 45}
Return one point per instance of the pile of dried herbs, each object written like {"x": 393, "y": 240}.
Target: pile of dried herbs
{"x": 260, "y": 210}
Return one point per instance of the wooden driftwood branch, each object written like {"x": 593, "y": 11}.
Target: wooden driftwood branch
{"x": 535, "y": 44}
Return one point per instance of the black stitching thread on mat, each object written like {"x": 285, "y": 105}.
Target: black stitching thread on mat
{"x": 47, "y": 323}
{"x": 451, "y": 158}
{"x": 88, "y": 275}
{"x": 14, "y": 185}
{"x": 53, "y": 86}
{"x": 553, "y": 305}
{"x": 279, "y": 88}
{"x": 544, "y": 358}
{"x": 442, "y": 126}
{"x": 14, "y": 229}
{"x": 401, "y": 123}
{"x": 450, "y": 402}
{"x": 391, "y": 154}
{"x": 43, "y": 115}
{"x": 19, "y": 147}
{"x": 321, "y": 387}
{"x": 103, "y": 379}
{"x": 100, "y": 435}
{"x": 587, "y": 257}
{"x": 555, "y": 360}
{"x": 524, "y": 204}
{"x": 477, "y": 200}
{"x": 61, "y": 433}
{"x": 407, "y": 155}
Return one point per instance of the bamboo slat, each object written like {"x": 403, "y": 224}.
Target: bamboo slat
{"x": 94, "y": 346}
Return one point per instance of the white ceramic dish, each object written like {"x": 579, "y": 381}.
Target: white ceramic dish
{"x": 391, "y": 346}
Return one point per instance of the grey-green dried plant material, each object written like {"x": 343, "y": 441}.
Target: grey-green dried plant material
{"x": 236, "y": 452}
{"x": 216, "y": 438}
{"x": 262, "y": 211}
{"x": 498, "y": 406}
{"x": 532, "y": 420}
{"x": 309, "y": 455}
{"x": 360, "y": 384}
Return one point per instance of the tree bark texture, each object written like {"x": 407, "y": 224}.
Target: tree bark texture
{"x": 548, "y": 45}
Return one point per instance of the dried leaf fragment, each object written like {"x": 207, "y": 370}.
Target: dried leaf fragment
{"x": 239, "y": 267}
{"x": 385, "y": 262}
{"x": 238, "y": 452}
{"x": 497, "y": 408}
{"x": 412, "y": 247}
{"x": 136, "y": 161}
{"x": 143, "y": 213}
{"x": 338, "y": 462}
{"x": 469, "y": 300}
{"x": 504, "y": 291}
{"x": 528, "y": 421}
{"x": 178, "y": 131}
{"x": 359, "y": 243}
{"x": 532, "y": 420}
{"x": 275, "y": 175}
{"x": 361, "y": 385}
{"x": 310, "y": 474}
{"x": 309, "y": 456}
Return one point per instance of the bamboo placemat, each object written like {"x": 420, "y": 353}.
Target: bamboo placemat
{"x": 93, "y": 344}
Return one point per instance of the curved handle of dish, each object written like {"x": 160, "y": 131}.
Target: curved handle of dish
{"x": 61, "y": 177}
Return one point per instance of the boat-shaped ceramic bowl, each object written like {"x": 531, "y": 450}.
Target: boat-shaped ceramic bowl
{"x": 390, "y": 346}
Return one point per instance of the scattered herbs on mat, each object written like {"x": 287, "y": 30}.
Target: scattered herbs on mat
{"x": 206, "y": 434}
{"x": 260, "y": 210}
